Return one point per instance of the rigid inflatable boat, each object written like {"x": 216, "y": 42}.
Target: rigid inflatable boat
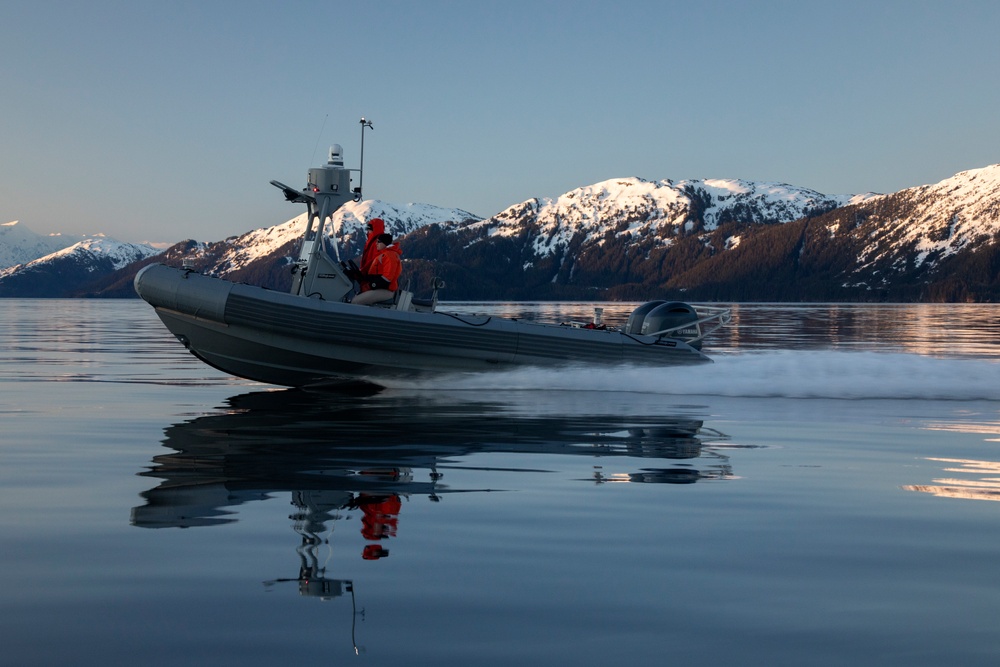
{"x": 314, "y": 336}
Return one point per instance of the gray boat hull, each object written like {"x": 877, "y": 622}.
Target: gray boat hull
{"x": 290, "y": 340}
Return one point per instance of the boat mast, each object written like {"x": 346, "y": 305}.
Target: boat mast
{"x": 327, "y": 189}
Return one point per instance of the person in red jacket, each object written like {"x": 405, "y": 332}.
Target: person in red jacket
{"x": 381, "y": 280}
{"x": 375, "y": 227}
{"x": 356, "y": 272}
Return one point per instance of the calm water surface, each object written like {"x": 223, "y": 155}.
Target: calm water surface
{"x": 823, "y": 494}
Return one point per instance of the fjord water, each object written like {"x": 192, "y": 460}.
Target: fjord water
{"x": 823, "y": 494}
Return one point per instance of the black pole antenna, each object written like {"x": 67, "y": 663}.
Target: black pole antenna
{"x": 361, "y": 178}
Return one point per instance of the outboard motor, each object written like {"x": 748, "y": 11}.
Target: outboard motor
{"x": 670, "y": 315}
{"x": 634, "y": 324}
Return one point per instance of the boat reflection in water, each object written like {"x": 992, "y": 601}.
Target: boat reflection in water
{"x": 338, "y": 454}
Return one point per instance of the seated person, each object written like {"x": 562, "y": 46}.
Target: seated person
{"x": 375, "y": 228}
{"x": 381, "y": 280}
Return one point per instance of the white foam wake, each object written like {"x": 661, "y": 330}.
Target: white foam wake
{"x": 787, "y": 374}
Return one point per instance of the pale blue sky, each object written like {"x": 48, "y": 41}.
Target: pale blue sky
{"x": 165, "y": 120}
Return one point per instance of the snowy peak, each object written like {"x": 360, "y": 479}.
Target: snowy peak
{"x": 630, "y": 237}
{"x": 96, "y": 254}
{"x": 347, "y": 226}
{"x": 117, "y": 253}
{"x": 19, "y": 244}
{"x": 654, "y": 210}
{"x": 758, "y": 202}
{"x": 73, "y": 270}
{"x": 401, "y": 219}
{"x": 973, "y": 192}
{"x": 937, "y": 221}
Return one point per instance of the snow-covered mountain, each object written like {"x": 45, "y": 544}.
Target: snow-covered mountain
{"x": 94, "y": 266}
{"x": 401, "y": 219}
{"x": 89, "y": 253}
{"x": 642, "y": 214}
{"x": 347, "y": 226}
{"x": 653, "y": 211}
{"x": 72, "y": 269}
{"x": 937, "y": 242}
{"x": 630, "y": 238}
{"x": 730, "y": 240}
{"x": 19, "y": 245}
{"x": 937, "y": 221}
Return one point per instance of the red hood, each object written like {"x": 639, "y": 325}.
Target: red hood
{"x": 378, "y": 227}
{"x": 369, "y": 252}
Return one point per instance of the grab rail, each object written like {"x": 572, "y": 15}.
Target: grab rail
{"x": 721, "y": 316}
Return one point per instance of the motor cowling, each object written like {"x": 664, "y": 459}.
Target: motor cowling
{"x": 670, "y": 315}
{"x": 634, "y": 324}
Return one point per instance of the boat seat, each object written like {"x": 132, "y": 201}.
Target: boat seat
{"x": 402, "y": 299}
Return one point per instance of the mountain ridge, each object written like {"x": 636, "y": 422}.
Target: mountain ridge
{"x": 78, "y": 267}
{"x": 631, "y": 238}
{"x": 20, "y": 245}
